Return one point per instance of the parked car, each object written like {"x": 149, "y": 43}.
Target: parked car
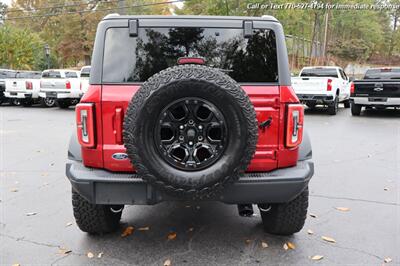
{"x": 60, "y": 86}
{"x": 168, "y": 121}
{"x": 85, "y": 73}
{"x": 24, "y": 88}
{"x": 323, "y": 85}
{"x": 4, "y": 75}
{"x": 379, "y": 89}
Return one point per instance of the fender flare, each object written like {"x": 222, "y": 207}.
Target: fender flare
{"x": 74, "y": 149}
{"x": 305, "y": 149}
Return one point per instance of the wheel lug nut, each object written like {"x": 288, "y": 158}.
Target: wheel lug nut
{"x": 200, "y": 138}
{"x": 190, "y": 143}
{"x": 191, "y": 122}
{"x": 200, "y": 127}
{"x": 181, "y": 127}
{"x": 181, "y": 137}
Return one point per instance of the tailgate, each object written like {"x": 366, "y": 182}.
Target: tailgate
{"x": 15, "y": 85}
{"x": 309, "y": 85}
{"x": 53, "y": 84}
{"x": 377, "y": 88}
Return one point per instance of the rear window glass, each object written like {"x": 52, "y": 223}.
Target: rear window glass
{"x": 71, "y": 75}
{"x": 384, "y": 73}
{"x": 7, "y": 74}
{"x": 85, "y": 72}
{"x": 29, "y": 75}
{"x": 51, "y": 74}
{"x": 319, "y": 72}
{"x": 135, "y": 59}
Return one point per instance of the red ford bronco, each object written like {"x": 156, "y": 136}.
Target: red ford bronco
{"x": 190, "y": 108}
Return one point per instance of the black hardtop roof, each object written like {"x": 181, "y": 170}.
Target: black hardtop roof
{"x": 127, "y": 17}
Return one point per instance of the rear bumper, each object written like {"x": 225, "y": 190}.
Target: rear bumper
{"x": 58, "y": 95}
{"x": 315, "y": 98}
{"x": 103, "y": 187}
{"x": 19, "y": 95}
{"x": 376, "y": 101}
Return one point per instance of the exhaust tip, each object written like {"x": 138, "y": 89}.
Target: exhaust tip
{"x": 245, "y": 210}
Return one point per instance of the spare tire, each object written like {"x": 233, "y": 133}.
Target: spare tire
{"x": 190, "y": 130}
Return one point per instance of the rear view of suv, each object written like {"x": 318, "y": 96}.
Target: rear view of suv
{"x": 190, "y": 108}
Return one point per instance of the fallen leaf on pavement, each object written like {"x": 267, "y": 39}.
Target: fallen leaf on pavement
{"x": 313, "y": 215}
{"x": 328, "y": 239}
{"x": 144, "y": 228}
{"x": 317, "y": 257}
{"x": 100, "y": 255}
{"x": 385, "y": 189}
{"x": 387, "y": 260}
{"x": 68, "y": 224}
{"x": 248, "y": 241}
{"x": 64, "y": 251}
{"x": 291, "y": 245}
{"x": 285, "y": 246}
{"x": 16, "y": 264}
{"x": 167, "y": 262}
{"x": 343, "y": 209}
{"x": 31, "y": 213}
{"x": 191, "y": 229}
{"x": 264, "y": 244}
{"x": 14, "y": 190}
{"x": 310, "y": 232}
{"x": 171, "y": 236}
{"x": 90, "y": 255}
{"x": 128, "y": 231}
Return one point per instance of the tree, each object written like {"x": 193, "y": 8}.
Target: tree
{"x": 19, "y": 48}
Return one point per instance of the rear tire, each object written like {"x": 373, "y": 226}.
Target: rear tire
{"x": 346, "y": 104}
{"x": 333, "y": 107}
{"x": 95, "y": 218}
{"x": 355, "y": 109}
{"x": 16, "y": 102}
{"x": 47, "y": 102}
{"x": 285, "y": 218}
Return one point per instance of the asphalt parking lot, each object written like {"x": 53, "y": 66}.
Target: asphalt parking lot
{"x": 357, "y": 167}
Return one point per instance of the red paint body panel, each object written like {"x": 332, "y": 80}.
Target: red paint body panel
{"x": 267, "y": 100}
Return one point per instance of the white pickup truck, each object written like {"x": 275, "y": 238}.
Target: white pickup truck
{"x": 61, "y": 86}
{"x": 85, "y": 73}
{"x": 24, "y": 88}
{"x": 323, "y": 85}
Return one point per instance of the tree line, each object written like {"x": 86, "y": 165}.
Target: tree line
{"x": 69, "y": 27}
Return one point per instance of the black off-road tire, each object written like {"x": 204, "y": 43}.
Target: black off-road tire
{"x": 286, "y": 218}
{"x": 333, "y": 107}
{"x": 95, "y": 219}
{"x": 47, "y": 102}
{"x": 346, "y": 104}
{"x": 174, "y": 84}
{"x": 64, "y": 104}
{"x": 355, "y": 109}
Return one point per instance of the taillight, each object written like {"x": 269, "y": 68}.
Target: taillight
{"x": 352, "y": 88}
{"x": 294, "y": 128}
{"x": 28, "y": 85}
{"x": 85, "y": 124}
{"x": 329, "y": 85}
{"x": 68, "y": 84}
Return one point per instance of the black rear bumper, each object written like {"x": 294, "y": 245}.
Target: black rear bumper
{"x": 103, "y": 187}
{"x": 315, "y": 98}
